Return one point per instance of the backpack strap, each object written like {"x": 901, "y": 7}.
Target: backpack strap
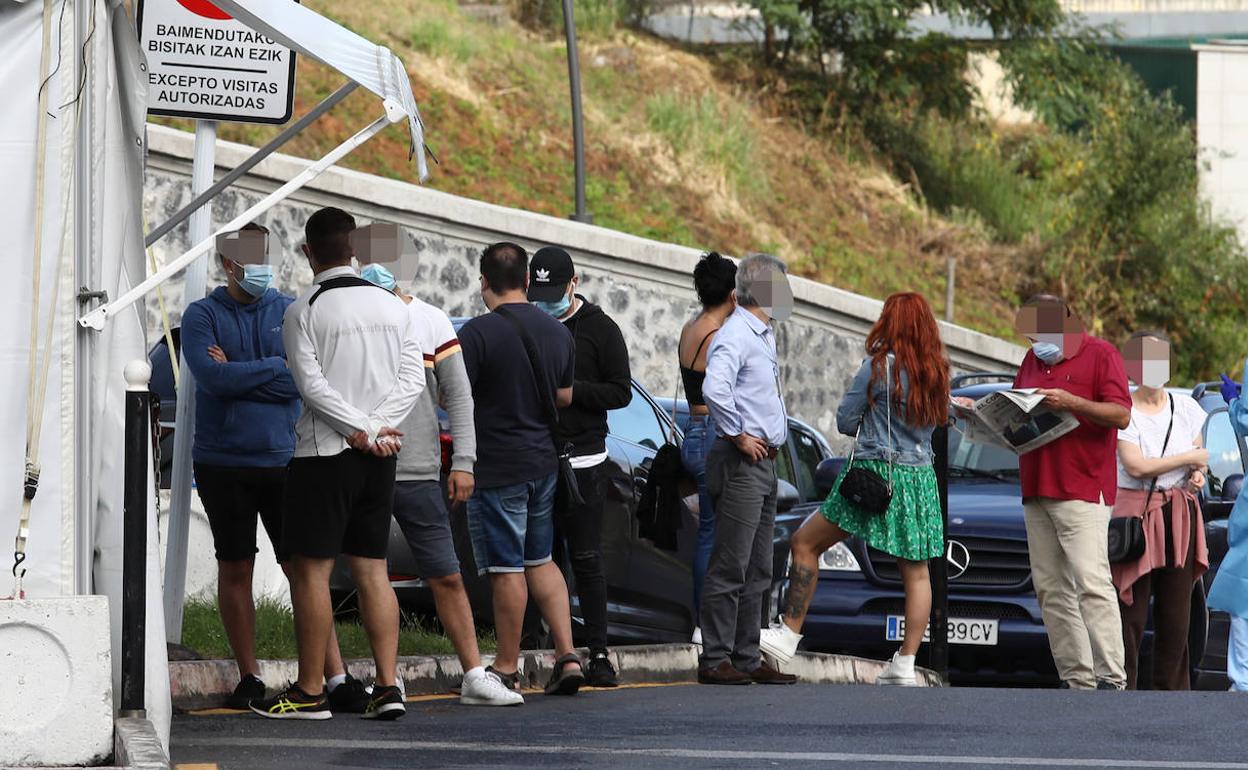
{"x": 343, "y": 282}
{"x": 545, "y": 392}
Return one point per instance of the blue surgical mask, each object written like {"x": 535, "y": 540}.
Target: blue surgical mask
{"x": 379, "y": 275}
{"x": 1047, "y": 352}
{"x": 256, "y": 279}
{"x": 556, "y": 309}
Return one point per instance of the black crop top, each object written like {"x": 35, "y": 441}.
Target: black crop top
{"x": 692, "y": 378}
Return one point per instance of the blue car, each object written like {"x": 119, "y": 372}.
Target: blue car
{"x": 996, "y": 631}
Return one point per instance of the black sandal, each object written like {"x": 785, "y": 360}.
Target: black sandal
{"x": 510, "y": 681}
{"x": 568, "y": 683}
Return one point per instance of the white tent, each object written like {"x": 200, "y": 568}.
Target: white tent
{"x": 91, "y": 115}
{"x": 72, "y": 156}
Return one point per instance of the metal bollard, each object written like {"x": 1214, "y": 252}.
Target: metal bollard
{"x": 134, "y": 540}
{"x": 938, "y": 648}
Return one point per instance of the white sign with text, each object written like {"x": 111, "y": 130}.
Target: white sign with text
{"x": 204, "y": 64}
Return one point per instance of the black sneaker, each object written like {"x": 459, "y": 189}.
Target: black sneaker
{"x": 600, "y": 672}
{"x": 510, "y": 681}
{"x": 293, "y": 703}
{"x": 249, "y": 688}
{"x": 386, "y": 703}
{"x": 350, "y": 697}
{"x": 1101, "y": 684}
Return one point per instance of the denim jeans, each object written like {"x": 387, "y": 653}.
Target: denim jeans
{"x": 1237, "y": 654}
{"x": 512, "y": 527}
{"x": 698, "y": 439}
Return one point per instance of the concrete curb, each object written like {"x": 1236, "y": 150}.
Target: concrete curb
{"x": 136, "y": 745}
{"x": 200, "y": 684}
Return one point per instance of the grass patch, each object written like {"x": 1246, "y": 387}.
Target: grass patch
{"x": 702, "y": 127}
{"x": 275, "y": 634}
{"x": 436, "y": 37}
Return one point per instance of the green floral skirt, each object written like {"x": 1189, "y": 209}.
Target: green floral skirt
{"x": 910, "y": 529}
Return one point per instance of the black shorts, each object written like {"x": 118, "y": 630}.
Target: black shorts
{"x": 232, "y": 498}
{"x": 340, "y": 504}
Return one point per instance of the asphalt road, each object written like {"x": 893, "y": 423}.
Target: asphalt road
{"x": 687, "y": 726}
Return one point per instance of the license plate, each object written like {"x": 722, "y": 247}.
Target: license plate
{"x": 961, "y": 631}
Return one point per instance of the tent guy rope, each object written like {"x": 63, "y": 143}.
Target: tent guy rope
{"x": 34, "y": 393}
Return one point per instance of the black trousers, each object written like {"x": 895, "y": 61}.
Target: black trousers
{"x": 578, "y": 542}
{"x": 1171, "y": 592}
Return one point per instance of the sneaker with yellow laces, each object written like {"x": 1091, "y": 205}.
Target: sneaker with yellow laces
{"x": 293, "y": 703}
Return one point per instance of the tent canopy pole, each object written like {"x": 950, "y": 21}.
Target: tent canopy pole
{"x": 287, "y": 134}
{"x": 98, "y": 317}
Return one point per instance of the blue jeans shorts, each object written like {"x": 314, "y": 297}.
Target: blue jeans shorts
{"x": 512, "y": 527}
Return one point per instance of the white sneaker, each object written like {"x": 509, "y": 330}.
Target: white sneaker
{"x": 779, "y": 642}
{"x": 487, "y": 689}
{"x": 899, "y": 672}
{"x": 697, "y": 636}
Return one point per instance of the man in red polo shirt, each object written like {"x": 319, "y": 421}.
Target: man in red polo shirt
{"x": 1069, "y": 487}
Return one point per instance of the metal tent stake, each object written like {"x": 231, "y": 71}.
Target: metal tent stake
{"x": 134, "y": 540}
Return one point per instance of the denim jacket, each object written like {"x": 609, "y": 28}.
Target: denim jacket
{"x": 911, "y": 445}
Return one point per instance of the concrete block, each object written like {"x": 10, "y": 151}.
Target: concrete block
{"x": 56, "y": 675}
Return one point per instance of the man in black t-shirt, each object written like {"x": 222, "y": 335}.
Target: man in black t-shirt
{"x": 521, "y": 363}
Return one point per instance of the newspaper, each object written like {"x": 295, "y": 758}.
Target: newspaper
{"x": 1015, "y": 420}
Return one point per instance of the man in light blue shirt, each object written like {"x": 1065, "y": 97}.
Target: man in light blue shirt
{"x": 742, "y": 392}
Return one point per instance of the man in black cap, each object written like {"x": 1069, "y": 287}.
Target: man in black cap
{"x": 602, "y": 383}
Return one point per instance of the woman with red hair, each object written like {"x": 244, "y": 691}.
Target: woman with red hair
{"x": 898, "y": 397}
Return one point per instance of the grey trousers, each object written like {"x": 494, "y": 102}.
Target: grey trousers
{"x": 739, "y": 575}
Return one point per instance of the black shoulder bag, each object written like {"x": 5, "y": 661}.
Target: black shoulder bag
{"x": 863, "y": 487}
{"x": 567, "y": 492}
{"x": 1126, "y": 533}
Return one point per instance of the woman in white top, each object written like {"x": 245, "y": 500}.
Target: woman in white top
{"x": 1161, "y": 465}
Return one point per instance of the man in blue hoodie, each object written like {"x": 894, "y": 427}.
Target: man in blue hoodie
{"x": 246, "y": 405}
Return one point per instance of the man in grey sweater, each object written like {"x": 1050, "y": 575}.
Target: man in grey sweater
{"x": 420, "y": 506}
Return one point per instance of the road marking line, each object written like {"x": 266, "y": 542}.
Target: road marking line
{"x": 200, "y": 766}
{"x": 771, "y": 756}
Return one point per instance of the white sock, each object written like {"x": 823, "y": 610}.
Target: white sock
{"x": 474, "y": 673}
{"x": 905, "y": 661}
{"x": 334, "y": 681}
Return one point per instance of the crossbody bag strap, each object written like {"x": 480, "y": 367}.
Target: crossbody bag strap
{"x": 1148, "y": 499}
{"x": 539, "y": 375}
{"x": 888, "y": 412}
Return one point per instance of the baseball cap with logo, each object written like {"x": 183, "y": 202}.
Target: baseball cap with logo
{"x": 550, "y": 270}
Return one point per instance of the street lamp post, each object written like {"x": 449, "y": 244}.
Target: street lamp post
{"x": 578, "y": 122}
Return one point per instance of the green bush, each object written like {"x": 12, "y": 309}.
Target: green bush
{"x": 963, "y": 166}
{"x": 1104, "y": 192}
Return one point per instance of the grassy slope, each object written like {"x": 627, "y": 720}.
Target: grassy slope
{"x": 681, "y": 148}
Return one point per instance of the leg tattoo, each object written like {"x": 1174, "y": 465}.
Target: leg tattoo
{"x": 801, "y": 590}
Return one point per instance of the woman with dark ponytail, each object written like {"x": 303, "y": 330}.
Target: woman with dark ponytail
{"x": 714, "y": 279}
